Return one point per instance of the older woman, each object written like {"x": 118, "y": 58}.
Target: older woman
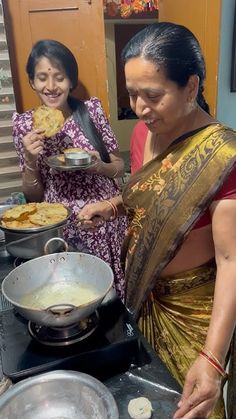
{"x": 181, "y": 247}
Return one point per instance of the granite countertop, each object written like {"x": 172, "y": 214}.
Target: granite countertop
{"x": 153, "y": 381}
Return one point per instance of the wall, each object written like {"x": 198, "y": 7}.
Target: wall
{"x": 202, "y": 17}
{"x": 226, "y": 103}
{"x": 10, "y": 177}
{"x": 121, "y": 128}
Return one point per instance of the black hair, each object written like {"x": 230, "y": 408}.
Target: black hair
{"x": 61, "y": 56}
{"x": 175, "y": 48}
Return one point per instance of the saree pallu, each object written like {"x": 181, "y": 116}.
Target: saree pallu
{"x": 175, "y": 319}
{"x": 164, "y": 200}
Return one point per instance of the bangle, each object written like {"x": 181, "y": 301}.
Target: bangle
{"x": 33, "y": 182}
{"x": 115, "y": 174}
{"x": 213, "y": 356}
{"x": 31, "y": 169}
{"x": 215, "y": 364}
{"x": 114, "y": 209}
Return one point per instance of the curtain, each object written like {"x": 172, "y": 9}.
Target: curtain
{"x": 125, "y": 8}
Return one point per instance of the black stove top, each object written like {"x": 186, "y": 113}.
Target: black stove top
{"x": 112, "y": 348}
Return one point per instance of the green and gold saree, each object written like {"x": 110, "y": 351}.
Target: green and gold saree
{"x": 164, "y": 200}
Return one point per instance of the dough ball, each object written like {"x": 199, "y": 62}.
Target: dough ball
{"x": 140, "y": 408}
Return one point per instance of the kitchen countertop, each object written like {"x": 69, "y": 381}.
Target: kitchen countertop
{"x": 151, "y": 379}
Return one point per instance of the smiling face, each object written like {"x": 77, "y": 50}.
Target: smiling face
{"x": 51, "y": 84}
{"x": 159, "y": 102}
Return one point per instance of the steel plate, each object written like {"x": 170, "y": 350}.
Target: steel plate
{"x": 55, "y": 163}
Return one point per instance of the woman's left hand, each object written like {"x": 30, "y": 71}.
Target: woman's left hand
{"x": 201, "y": 391}
{"x": 97, "y": 163}
{"x": 111, "y": 170}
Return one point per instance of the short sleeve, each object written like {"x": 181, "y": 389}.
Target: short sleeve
{"x": 228, "y": 190}
{"x": 21, "y": 125}
{"x": 102, "y": 124}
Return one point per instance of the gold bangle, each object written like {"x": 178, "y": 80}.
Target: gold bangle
{"x": 33, "y": 182}
{"x": 115, "y": 174}
{"x": 214, "y": 364}
{"x": 114, "y": 209}
{"x": 213, "y": 356}
{"x": 30, "y": 168}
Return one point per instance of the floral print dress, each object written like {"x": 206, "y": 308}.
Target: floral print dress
{"x": 78, "y": 188}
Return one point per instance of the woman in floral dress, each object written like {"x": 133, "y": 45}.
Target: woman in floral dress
{"x": 53, "y": 74}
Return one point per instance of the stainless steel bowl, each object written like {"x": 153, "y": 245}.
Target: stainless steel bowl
{"x": 78, "y": 158}
{"x": 58, "y": 395}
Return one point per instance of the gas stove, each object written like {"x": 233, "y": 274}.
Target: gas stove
{"x": 110, "y": 349}
{"x": 109, "y": 343}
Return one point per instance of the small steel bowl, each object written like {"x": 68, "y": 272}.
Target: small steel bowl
{"x": 77, "y": 158}
{"x": 58, "y": 394}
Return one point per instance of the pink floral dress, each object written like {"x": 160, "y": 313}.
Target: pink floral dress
{"x": 77, "y": 188}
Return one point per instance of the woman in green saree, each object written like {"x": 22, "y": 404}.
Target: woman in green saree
{"x": 180, "y": 276}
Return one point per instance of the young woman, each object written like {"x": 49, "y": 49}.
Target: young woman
{"x": 53, "y": 74}
{"x": 181, "y": 246}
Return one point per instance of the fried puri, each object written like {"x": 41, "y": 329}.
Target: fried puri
{"x": 34, "y": 215}
{"x": 50, "y": 120}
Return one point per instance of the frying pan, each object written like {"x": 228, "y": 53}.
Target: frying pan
{"x": 68, "y": 267}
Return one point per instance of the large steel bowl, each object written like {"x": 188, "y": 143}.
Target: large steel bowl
{"x": 58, "y": 395}
{"x": 80, "y": 268}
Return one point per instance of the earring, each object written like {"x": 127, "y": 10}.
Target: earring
{"x": 191, "y": 102}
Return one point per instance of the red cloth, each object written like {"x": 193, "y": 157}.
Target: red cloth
{"x": 137, "y": 144}
{"x": 227, "y": 191}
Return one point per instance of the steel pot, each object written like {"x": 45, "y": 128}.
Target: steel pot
{"x": 29, "y": 243}
{"x": 80, "y": 268}
{"x": 58, "y": 394}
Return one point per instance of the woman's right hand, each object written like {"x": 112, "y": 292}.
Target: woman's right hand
{"x": 201, "y": 391}
{"x": 33, "y": 145}
{"x": 94, "y": 214}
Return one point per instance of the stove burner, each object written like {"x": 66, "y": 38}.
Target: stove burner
{"x": 64, "y": 336}
{"x": 19, "y": 261}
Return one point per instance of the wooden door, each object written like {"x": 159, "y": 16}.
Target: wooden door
{"x": 76, "y": 23}
{"x": 203, "y": 19}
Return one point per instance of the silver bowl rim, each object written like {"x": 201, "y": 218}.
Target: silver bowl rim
{"x": 83, "y": 378}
